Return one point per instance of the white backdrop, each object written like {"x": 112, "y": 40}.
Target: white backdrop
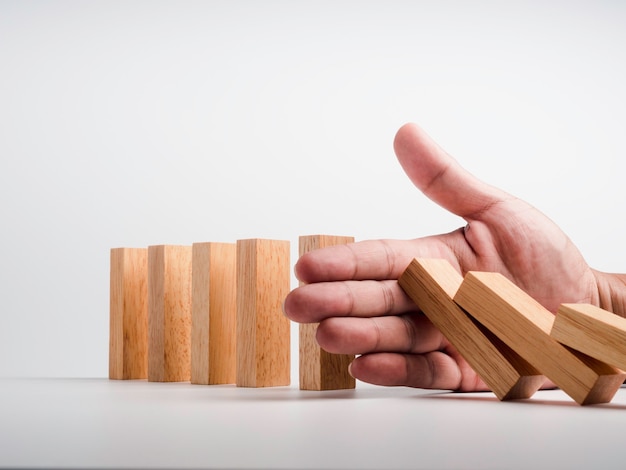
{"x": 138, "y": 123}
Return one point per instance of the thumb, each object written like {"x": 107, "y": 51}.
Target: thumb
{"x": 440, "y": 177}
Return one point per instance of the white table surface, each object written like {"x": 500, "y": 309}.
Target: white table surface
{"x": 97, "y": 423}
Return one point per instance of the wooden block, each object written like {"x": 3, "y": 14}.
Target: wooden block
{"x": 169, "y": 313}
{"x": 263, "y": 332}
{"x": 319, "y": 369}
{"x": 128, "y": 333}
{"x": 593, "y": 331}
{"x": 213, "y": 313}
{"x": 432, "y": 284}
{"x": 524, "y": 324}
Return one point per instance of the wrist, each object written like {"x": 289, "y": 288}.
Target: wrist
{"x": 611, "y": 292}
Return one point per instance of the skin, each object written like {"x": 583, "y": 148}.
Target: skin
{"x": 352, "y": 290}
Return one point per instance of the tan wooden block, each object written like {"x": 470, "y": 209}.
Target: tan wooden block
{"x": 319, "y": 369}
{"x": 169, "y": 313}
{"x": 592, "y": 331}
{"x": 263, "y": 331}
{"x": 214, "y": 313}
{"x": 128, "y": 316}
{"x": 525, "y": 325}
{"x": 432, "y": 284}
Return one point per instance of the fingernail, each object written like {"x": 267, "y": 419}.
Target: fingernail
{"x": 295, "y": 271}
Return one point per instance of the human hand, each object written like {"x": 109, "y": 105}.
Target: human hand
{"x": 352, "y": 290}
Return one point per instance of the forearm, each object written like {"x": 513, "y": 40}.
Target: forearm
{"x": 612, "y": 292}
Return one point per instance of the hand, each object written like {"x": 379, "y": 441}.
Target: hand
{"x": 352, "y": 290}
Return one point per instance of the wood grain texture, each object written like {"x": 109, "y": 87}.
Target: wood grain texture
{"x": 263, "y": 331}
{"x": 525, "y": 325}
{"x": 319, "y": 369}
{"x": 432, "y": 284}
{"x": 128, "y": 315}
{"x": 169, "y": 313}
{"x": 214, "y": 313}
{"x": 593, "y": 331}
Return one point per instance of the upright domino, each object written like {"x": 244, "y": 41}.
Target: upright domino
{"x": 128, "y": 316}
{"x": 169, "y": 313}
{"x": 319, "y": 369}
{"x": 213, "y": 313}
{"x": 263, "y": 332}
{"x": 432, "y": 284}
{"x": 593, "y": 331}
{"x": 524, "y": 324}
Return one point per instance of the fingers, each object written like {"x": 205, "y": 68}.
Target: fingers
{"x": 411, "y": 333}
{"x": 375, "y": 259}
{"x": 366, "y": 311}
{"x": 434, "y": 370}
{"x": 314, "y": 302}
{"x": 403, "y": 350}
{"x": 365, "y": 298}
{"x": 440, "y": 177}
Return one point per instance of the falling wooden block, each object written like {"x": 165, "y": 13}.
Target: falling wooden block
{"x": 263, "y": 332}
{"x": 169, "y": 313}
{"x": 213, "y": 313}
{"x": 525, "y": 325}
{"x": 319, "y": 369}
{"x": 432, "y": 284}
{"x": 593, "y": 331}
{"x": 128, "y": 332}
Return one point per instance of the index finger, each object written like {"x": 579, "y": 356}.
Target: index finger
{"x": 372, "y": 259}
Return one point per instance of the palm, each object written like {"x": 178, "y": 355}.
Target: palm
{"x": 531, "y": 251}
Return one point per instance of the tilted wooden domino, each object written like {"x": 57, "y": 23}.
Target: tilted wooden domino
{"x": 432, "y": 284}
{"x": 524, "y": 324}
{"x": 214, "y": 313}
{"x": 593, "y": 331}
{"x": 319, "y": 369}
{"x": 169, "y": 313}
{"x": 128, "y": 332}
{"x": 263, "y": 332}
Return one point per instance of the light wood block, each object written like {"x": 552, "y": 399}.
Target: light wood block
{"x": 128, "y": 332}
{"x": 319, "y": 369}
{"x": 525, "y": 325}
{"x": 169, "y": 313}
{"x": 593, "y": 331}
{"x": 432, "y": 284}
{"x": 214, "y": 313}
{"x": 263, "y": 331}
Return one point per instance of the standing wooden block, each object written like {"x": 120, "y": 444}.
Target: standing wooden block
{"x": 524, "y": 324}
{"x": 214, "y": 313}
{"x": 169, "y": 313}
{"x": 319, "y": 369}
{"x": 263, "y": 332}
{"x": 128, "y": 333}
{"x": 432, "y": 284}
{"x": 593, "y": 331}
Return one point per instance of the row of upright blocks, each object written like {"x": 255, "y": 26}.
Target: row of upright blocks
{"x": 211, "y": 313}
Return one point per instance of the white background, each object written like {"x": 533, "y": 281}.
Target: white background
{"x": 139, "y": 123}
